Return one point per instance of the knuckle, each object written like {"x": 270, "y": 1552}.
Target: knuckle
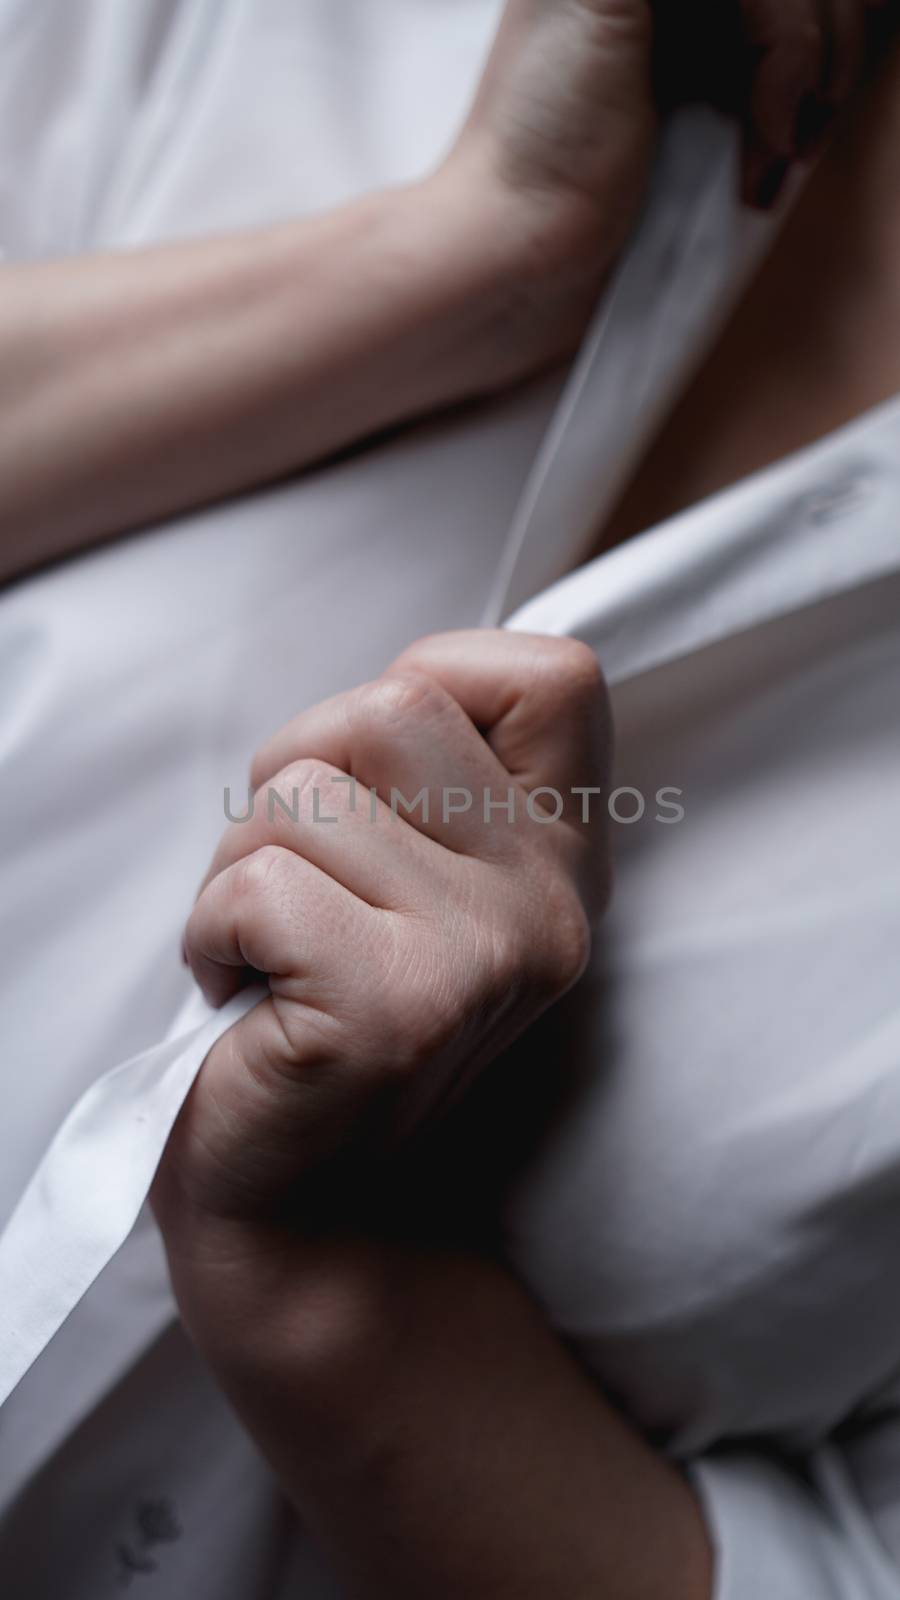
{"x": 301, "y": 776}
{"x": 261, "y": 876}
{"x": 307, "y": 787}
{"x": 391, "y": 702}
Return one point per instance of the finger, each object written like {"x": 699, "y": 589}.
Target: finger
{"x": 271, "y": 912}
{"x": 791, "y": 46}
{"x": 339, "y": 826}
{"x": 406, "y": 737}
{"x": 542, "y": 708}
{"x": 282, "y": 1087}
{"x": 540, "y": 703}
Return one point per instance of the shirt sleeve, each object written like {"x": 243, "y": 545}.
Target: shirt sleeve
{"x": 804, "y": 1531}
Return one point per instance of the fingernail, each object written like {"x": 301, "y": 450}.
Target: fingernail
{"x": 771, "y": 184}
{"x": 814, "y": 119}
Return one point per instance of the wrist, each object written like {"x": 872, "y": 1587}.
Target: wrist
{"x": 535, "y": 267}
{"x": 280, "y": 1318}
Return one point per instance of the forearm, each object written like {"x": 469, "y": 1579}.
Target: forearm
{"x": 438, "y": 1438}
{"x": 137, "y": 385}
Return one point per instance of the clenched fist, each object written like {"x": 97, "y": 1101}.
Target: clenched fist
{"x": 416, "y": 884}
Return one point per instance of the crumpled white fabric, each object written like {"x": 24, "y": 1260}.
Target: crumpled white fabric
{"x": 88, "y": 1191}
{"x": 688, "y": 261}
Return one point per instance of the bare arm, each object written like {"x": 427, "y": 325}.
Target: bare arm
{"x": 417, "y": 1409}
{"x": 133, "y": 386}
{"x": 435, "y": 1435}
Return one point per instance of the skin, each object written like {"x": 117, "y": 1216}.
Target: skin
{"x": 460, "y": 932}
{"x": 138, "y": 385}
{"x": 415, "y": 1406}
{"x": 429, "y": 1428}
{"x": 790, "y": 68}
{"x": 135, "y": 386}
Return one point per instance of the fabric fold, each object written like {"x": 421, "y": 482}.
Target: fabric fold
{"x": 87, "y": 1192}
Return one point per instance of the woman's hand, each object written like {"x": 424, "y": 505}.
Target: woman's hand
{"x": 566, "y": 113}
{"x": 784, "y": 67}
{"x": 404, "y": 888}
{"x": 412, "y": 1400}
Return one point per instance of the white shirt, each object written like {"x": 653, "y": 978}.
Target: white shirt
{"x": 712, "y": 1220}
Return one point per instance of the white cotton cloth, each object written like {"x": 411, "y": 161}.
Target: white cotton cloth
{"x": 711, "y": 1217}
{"x": 89, "y": 1188}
